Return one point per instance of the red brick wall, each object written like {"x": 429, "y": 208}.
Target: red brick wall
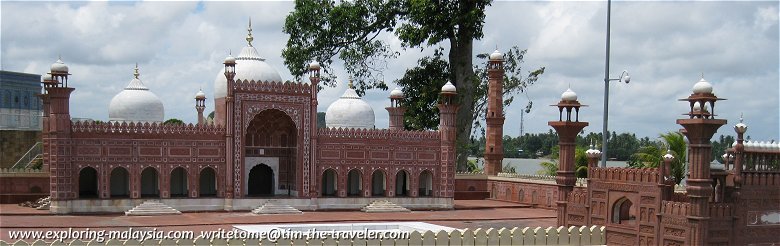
{"x": 20, "y": 189}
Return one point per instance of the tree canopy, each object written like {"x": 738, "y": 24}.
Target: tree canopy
{"x": 353, "y": 32}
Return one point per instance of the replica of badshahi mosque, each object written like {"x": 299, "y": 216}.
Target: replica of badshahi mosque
{"x": 262, "y": 150}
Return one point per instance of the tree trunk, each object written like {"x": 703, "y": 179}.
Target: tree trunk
{"x": 462, "y": 76}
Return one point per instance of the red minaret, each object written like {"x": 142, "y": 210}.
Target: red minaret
{"x": 57, "y": 132}
{"x": 448, "y": 107}
{"x": 395, "y": 110}
{"x": 699, "y": 128}
{"x": 231, "y": 189}
{"x": 200, "y": 105}
{"x": 567, "y": 133}
{"x": 494, "y": 118}
{"x": 314, "y": 78}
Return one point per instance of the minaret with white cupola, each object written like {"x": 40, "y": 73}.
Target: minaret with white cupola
{"x": 494, "y": 118}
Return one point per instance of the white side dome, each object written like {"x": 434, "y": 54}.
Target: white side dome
{"x": 249, "y": 66}
{"x": 397, "y": 93}
{"x": 569, "y": 95}
{"x": 59, "y": 66}
{"x": 449, "y": 87}
{"x": 496, "y": 56}
{"x": 314, "y": 65}
{"x": 136, "y": 104}
{"x": 200, "y": 95}
{"x": 350, "y": 111}
{"x": 702, "y": 87}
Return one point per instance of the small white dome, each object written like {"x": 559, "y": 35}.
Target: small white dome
{"x": 314, "y": 65}
{"x": 59, "y": 66}
{"x": 702, "y": 87}
{"x": 350, "y": 111}
{"x": 668, "y": 156}
{"x": 449, "y": 87}
{"x": 136, "y": 104}
{"x": 397, "y": 93}
{"x": 497, "y": 56}
{"x": 569, "y": 96}
{"x": 593, "y": 153}
{"x": 45, "y": 77}
{"x": 249, "y": 66}
{"x": 230, "y": 59}
{"x": 200, "y": 95}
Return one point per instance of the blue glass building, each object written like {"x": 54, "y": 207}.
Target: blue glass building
{"x": 20, "y": 108}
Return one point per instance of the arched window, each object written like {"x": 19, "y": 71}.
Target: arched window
{"x": 621, "y": 212}
{"x": 149, "y": 183}
{"x": 401, "y": 183}
{"x": 88, "y": 183}
{"x": 520, "y": 195}
{"x": 378, "y": 183}
{"x": 329, "y": 183}
{"x": 120, "y": 183}
{"x": 425, "y": 185}
{"x": 179, "y": 182}
{"x": 208, "y": 182}
{"x": 354, "y": 183}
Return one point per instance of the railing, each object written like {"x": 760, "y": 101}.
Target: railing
{"x": 580, "y": 181}
{"x": 34, "y": 151}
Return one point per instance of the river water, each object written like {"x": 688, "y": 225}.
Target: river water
{"x": 531, "y": 166}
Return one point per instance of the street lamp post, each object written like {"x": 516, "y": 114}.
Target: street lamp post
{"x": 624, "y": 77}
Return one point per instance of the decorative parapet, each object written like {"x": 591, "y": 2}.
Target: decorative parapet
{"x": 720, "y": 210}
{"x": 14, "y": 172}
{"x": 680, "y": 197}
{"x": 378, "y": 134}
{"x": 761, "y": 178}
{"x": 575, "y": 235}
{"x": 582, "y": 182}
{"x": 643, "y": 175}
{"x": 274, "y": 87}
{"x": 468, "y": 175}
{"x": 144, "y": 128}
{"x": 579, "y": 196}
{"x": 675, "y": 208}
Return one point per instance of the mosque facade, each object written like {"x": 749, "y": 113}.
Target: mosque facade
{"x": 262, "y": 144}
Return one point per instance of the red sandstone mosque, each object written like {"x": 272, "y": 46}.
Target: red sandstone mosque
{"x": 262, "y": 143}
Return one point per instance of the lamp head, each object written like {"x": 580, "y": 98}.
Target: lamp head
{"x": 626, "y": 77}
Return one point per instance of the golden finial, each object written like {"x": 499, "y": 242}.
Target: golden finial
{"x": 249, "y": 37}
{"x": 136, "y": 71}
{"x": 351, "y": 86}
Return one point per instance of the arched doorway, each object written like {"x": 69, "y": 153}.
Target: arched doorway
{"x": 208, "y": 182}
{"x": 150, "y": 183}
{"x": 88, "y": 183}
{"x": 426, "y": 183}
{"x": 402, "y": 183}
{"x": 354, "y": 183}
{"x": 120, "y": 182}
{"x": 329, "y": 183}
{"x": 261, "y": 181}
{"x": 178, "y": 182}
{"x": 378, "y": 183}
{"x": 271, "y": 138}
{"x": 621, "y": 212}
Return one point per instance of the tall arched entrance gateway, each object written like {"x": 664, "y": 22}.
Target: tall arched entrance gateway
{"x": 270, "y": 150}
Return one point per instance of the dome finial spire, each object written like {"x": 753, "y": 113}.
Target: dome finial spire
{"x": 740, "y": 117}
{"x": 249, "y": 37}
{"x": 350, "y": 85}
{"x": 135, "y": 73}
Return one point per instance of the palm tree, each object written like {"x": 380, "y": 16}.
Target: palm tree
{"x": 650, "y": 155}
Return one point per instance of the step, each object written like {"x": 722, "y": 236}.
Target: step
{"x": 152, "y": 207}
{"x": 273, "y": 207}
{"x": 383, "y": 206}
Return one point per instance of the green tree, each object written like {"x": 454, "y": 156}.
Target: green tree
{"x": 173, "y": 121}
{"x": 651, "y": 155}
{"x": 548, "y": 168}
{"x": 350, "y": 31}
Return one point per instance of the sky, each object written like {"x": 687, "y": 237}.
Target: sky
{"x": 665, "y": 47}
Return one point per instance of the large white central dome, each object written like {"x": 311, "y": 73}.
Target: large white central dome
{"x": 350, "y": 111}
{"x": 136, "y": 104}
{"x": 249, "y": 66}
